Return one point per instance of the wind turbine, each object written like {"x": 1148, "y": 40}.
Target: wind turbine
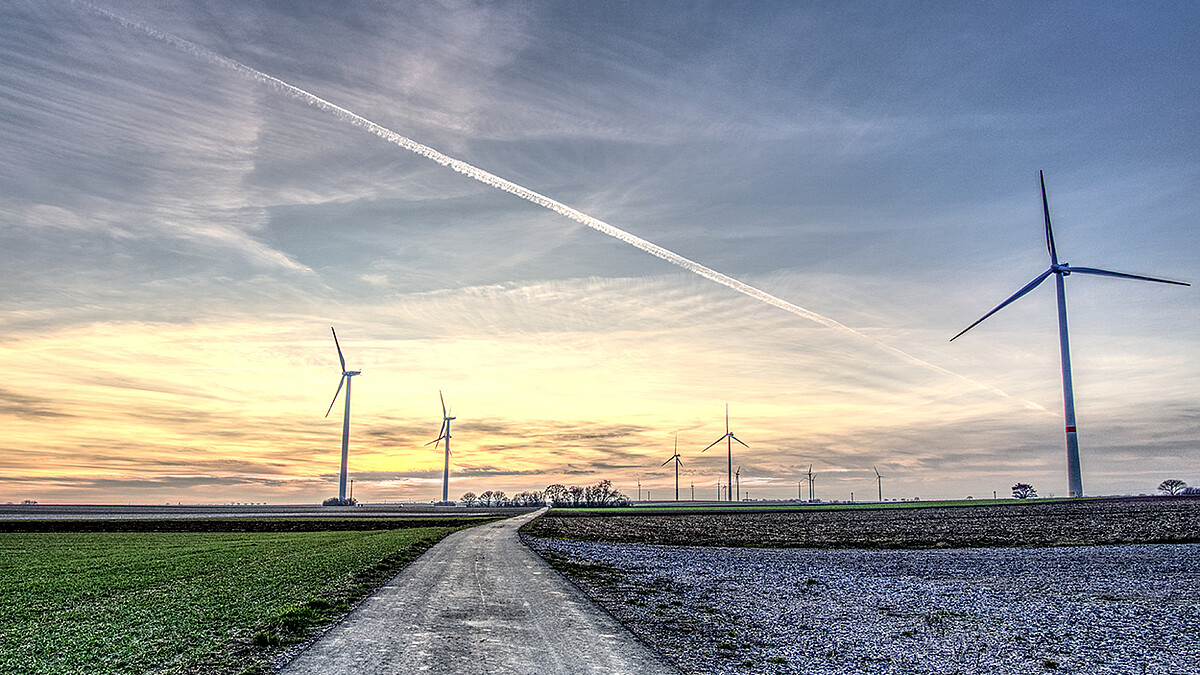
{"x": 345, "y": 380}
{"x": 1061, "y": 270}
{"x": 879, "y": 479}
{"x": 444, "y": 435}
{"x": 678, "y": 463}
{"x": 728, "y": 438}
{"x": 738, "y": 475}
{"x": 810, "y": 483}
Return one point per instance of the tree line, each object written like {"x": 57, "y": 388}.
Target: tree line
{"x": 602, "y": 494}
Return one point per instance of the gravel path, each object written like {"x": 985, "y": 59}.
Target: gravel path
{"x": 1091, "y": 609}
{"x": 478, "y": 603}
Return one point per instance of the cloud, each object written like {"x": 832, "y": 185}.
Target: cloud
{"x": 175, "y": 243}
{"x": 20, "y": 405}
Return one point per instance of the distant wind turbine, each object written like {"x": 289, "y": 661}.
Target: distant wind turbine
{"x": 728, "y": 438}
{"x": 738, "y": 475}
{"x": 678, "y": 463}
{"x": 811, "y": 475}
{"x": 444, "y": 435}
{"x": 345, "y": 380}
{"x": 879, "y": 479}
{"x": 1061, "y": 270}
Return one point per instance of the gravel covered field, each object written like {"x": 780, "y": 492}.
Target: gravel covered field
{"x": 1084, "y": 609}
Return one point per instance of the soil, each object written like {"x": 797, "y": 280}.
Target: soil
{"x": 1078, "y": 522}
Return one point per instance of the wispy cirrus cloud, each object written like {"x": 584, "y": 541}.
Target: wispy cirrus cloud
{"x": 175, "y": 242}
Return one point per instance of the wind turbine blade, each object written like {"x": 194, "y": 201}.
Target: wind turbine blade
{"x": 738, "y": 440}
{"x": 335, "y": 395}
{"x": 1122, "y": 275}
{"x": 680, "y": 461}
{"x": 1049, "y": 233}
{"x": 443, "y": 399}
{"x": 875, "y": 470}
{"x": 715, "y": 442}
{"x": 436, "y": 440}
{"x": 668, "y": 461}
{"x": 339, "y": 348}
{"x": 1028, "y": 287}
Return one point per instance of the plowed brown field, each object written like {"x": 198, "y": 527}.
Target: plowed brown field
{"x": 1138, "y": 520}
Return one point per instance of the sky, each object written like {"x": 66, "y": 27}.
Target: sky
{"x": 177, "y": 239}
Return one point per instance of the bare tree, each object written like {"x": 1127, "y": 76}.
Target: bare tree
{"x": 469, "y": 499}
{"x": 577, "y": 495}
{"x": 1024, "y": 491}
{"x": 1172, "y": 486}
{"x": 605, "y": 495}
{"x": 528, "y": 499}
{"x": 556, "y": 494}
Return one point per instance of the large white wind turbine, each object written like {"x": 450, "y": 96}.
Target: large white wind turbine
{"x": 678, "y": 463}
{"x": 878, "y": 479}
{"x": 444, "y": 435}
{"x": 728, "y": 438}
{"x": 345, "y": 380}
{"x": 1061, "y": 270}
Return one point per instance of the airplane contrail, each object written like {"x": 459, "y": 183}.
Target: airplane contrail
{"x": 523, "y": 192}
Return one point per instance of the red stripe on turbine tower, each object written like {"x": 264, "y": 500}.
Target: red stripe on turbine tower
{"x": 1059, "y": 271}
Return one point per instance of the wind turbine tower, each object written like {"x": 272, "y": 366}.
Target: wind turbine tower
{"x": 444, "y": 435}
{"x": 1061, "y": 271}
{"x": 678, "y": 463}
{"x": 811, "y": 493}
{"x": 729, "y": 438}
{"x": 345, "y": 380}
{"x": 879, "y": 479}
{"x": 738, "y": 476}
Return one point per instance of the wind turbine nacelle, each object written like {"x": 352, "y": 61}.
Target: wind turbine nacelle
{"x": 352, "y": 373}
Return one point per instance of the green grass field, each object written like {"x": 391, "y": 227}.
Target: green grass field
{"x": 155, "y": 602}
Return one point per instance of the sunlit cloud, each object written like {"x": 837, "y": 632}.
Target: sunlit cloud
{"x": 176, "y": 242}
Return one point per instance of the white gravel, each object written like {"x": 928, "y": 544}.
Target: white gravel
{"x": 1090, "y": 609}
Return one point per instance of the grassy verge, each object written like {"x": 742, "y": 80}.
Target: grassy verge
{"x": 183, "y": 602}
